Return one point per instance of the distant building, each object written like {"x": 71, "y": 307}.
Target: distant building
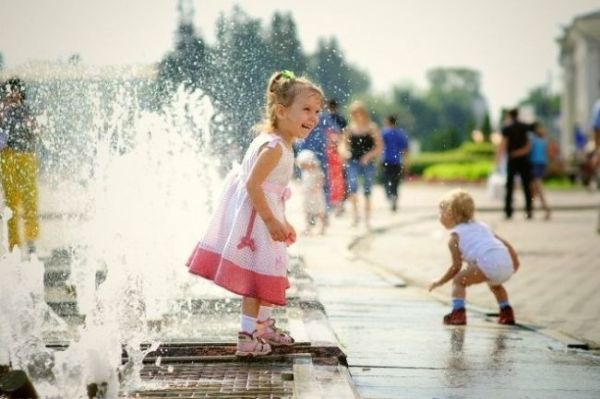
{"x": 580, "y": 60}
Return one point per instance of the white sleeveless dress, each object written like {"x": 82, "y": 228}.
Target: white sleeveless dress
{"x": 237, "y": 251}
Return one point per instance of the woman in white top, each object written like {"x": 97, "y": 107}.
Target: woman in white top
{"x": 489, "y": 258}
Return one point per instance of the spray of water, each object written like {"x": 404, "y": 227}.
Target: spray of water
{"x": 147, "y": 191}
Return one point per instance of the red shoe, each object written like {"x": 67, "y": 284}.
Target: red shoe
{"x": 507, "y": 316}
{"x": 458, "y": 317}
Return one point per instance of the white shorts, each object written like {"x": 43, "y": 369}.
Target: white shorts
{"x": 496, "y": 265}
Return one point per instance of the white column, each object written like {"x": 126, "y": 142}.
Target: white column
{"x": 567, "y": 104}
{"x": 593, "y": 76}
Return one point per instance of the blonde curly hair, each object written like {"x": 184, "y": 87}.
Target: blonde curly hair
{"x": 283, "y": 87}
{"x": 460, "y": 204}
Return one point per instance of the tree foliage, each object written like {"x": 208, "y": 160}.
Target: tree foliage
{"x": 546, "y": 107}
{"x": 443, "y": 116}
{"x": 234, "y": 72}
{"x": 331, "y": 70}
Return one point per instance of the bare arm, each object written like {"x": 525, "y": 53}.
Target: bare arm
{"x": 377, "y": 148}
{"x": 405, "y": 163}
{"x": 266, "y": 162}
{"x": 511, "y": 251}
{"x": 454, "y": 267}
{"x": 343, "y": 144}
{"x": 501, "y": 151}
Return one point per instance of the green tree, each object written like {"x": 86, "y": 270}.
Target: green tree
{"x": 360, "y": 82}
{"x": 241, "y": 59}
{"x": 187, "y": 64}
{"x": 1, "y": 61}
{"x": 455, "y": 80}
{"x": 333, "y": 73}
{"x": 546, "y": 107}
{"x": 286, "y": 48}
{"x": 486, "y": 126}
{"x": 453, "y": 95}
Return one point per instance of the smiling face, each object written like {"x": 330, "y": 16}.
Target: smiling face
{"x": 301, "y": 117}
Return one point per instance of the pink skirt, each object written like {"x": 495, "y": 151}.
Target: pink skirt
{"x": 237, "y": 251}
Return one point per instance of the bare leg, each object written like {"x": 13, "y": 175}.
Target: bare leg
{"x": 470, "y": 275}
{"x": 308, "y": 223}
{"x": 368, "y": 211}
{"x": 323, "y": 220}
{"x": 353, "y": 200}
{"x": 536, "y": 190}
{"x": 540, "y": 193}
{"x": 499, "y": 292}
{"x": 250, "y": 306}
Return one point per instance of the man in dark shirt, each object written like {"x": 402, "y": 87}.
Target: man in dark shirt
{"x": 332, "y": 108}
{"x": 515, "y": 144}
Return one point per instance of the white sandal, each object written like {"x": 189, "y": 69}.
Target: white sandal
{"x": 273, "y": 335}
{"x": 251, "y": 345}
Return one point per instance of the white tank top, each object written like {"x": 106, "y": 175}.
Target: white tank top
{"x": 476, "y": 241}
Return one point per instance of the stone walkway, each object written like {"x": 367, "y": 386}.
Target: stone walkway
{"x": 370, "y": 285}
{"x": 557, "y": 286}
{"x": 392, "y": 333}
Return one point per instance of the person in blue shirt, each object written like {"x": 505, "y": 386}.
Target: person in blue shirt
{"x": 579, "y": 138}
{"x": 538, "y": 157}
{"x": 596, "y": 124}
{"x": 317, "y": 143}
{"x": 395, "y": 159}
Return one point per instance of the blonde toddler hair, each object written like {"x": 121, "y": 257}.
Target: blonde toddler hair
{"x": 460, "y": 204}
{"x": 283, "y": 87}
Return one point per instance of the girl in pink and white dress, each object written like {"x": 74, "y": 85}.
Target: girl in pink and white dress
{"x": 244, "y": 247}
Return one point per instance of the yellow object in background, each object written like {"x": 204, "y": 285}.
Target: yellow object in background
{"x": 19, "y": 181}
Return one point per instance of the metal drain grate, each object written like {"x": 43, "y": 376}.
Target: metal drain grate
{"x": 256, "y": 380}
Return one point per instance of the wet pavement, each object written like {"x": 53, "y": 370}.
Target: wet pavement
{"x": 350, "y": 306}
{"x": 196, "y": 357}
{"x": 556, "y": 286}
{"x": 393, "y": 336}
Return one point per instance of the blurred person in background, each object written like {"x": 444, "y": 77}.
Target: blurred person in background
{"x": 364, "y": 146}
{"x": 335, "y": 165}
{"x": 515, "y": 145}
{"x": 538, "y": 156}
{"x": 313, "y": 197}
{"x": 19, "y": 166}
{"x": 596, "y": 124}
{"x": 321, "y": 141}
{"x": 395, "y": 159}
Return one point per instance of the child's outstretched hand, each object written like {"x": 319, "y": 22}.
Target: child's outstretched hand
{"x": 433, "y": 286}
{"x": 279, "y": 231}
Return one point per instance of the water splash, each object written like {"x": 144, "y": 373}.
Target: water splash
{"x": 146, "y": 191}
{"x": 24, "y": 315}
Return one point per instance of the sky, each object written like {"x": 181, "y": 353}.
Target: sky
{"x": 511, "y": 42}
